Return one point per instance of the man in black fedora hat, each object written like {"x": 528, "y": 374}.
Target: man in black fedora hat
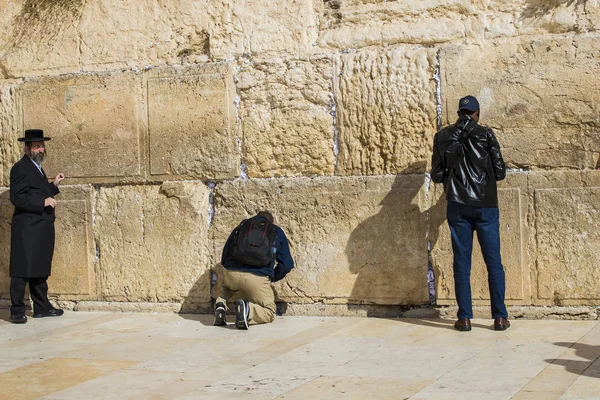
{"x": 32, "y": 231}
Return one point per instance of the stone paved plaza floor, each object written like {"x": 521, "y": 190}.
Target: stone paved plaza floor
{"x": 167, "y": 356}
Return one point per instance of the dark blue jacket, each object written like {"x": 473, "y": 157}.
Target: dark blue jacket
{"x": 284, "y": 259}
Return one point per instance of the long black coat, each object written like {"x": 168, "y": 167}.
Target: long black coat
{"x": 32, "y": 230}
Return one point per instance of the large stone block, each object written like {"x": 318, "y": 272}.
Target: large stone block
{"x": 73, "y": 274}
{"x": 386, "y": 109}
{"x": 38, "y": 36}
{"x": 152, "y": 243}
{"x": 286, "y": 117}
{"x": 354, "y": 240}
{"x": 192, "y": 123}
{"x": 117, "y": 34}
{"x": 541, "y": 95}
{"x": 73, "y": 262}
{"x": 531, "y": 17}
{"x": 96, "y": 123}
{"x": 514, "y": 233}
{"x": 566, "y": 213}
{"x": 358, "y": 23}
{"x": 253, "y": 27}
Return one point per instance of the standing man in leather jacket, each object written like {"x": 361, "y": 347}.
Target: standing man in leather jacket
{"x": 467, "y": 160}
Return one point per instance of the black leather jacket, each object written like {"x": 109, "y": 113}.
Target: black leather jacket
{"x": 467, "y": 159}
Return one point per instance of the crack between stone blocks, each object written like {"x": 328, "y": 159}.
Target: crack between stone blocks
{"x": 98, "y": 254}
{"x": 4, "y": 72}
{"x": 585, "y": 26}
{"x": 299, "y": 292}
{"x": 438, "y": 88}
{"x": 80, "y": 41}
{"x": 430, "y": 273}
{"x": 332, "y": 108}
{"x": 238, "y": 124}
{"x": 143, "y": 218}
{"x": 211, "y": 203}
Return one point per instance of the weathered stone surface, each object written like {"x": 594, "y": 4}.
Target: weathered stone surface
{"x": 346, "y": 310}
{"x": 286, "y": 121}
{"x": 10, "y": 128}
{"x": 73, "y": 262}
{"x": 541, "y": 95}
{"x": 386, "y": 109}
{"x": 95, "y": 121}
{"x": 152, "y": 243}
{"x": 358, "y": 23}
{"x": 528, "y": 312}
{"x": 134, "y": 34}
{"x": 192, "y": 123}
{"x": 116, "y": 306}
{"x": 39, "y": 35}
{"x": 530, "y": 17}
{"x": 74, "y": 253}
{"x": 592, "y": 12}
{"x": 354, "y": 240}
{"x": 254, "y": 27}
{"x": 513, "y": 235}
{"x": 68, "y": 36}
{"x": 566, "y": 212}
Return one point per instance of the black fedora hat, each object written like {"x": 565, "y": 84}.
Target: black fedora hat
{"x": 34, "y": 135}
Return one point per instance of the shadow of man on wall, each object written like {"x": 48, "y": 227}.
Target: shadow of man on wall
{"x": 389, "y": 251}
{"x": 197, "y": 304}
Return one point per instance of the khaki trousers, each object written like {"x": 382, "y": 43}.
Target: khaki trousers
{"x": 234, "y": 285}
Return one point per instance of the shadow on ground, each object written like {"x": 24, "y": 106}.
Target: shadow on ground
{"x": 579, "y": 367}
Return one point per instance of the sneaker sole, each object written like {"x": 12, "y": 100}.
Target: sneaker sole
{"x": 220, "y": 318}
{"x": 240, "y": 321}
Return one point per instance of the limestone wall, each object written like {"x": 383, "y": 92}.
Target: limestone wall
{"x": 174, "y": 120}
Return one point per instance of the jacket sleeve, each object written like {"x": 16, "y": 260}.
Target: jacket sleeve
{"x": 437, "y": 164}
{"x": 53, "y": 189}
{"x": 496, "y": 156}
{"x": 227, "y": 247}
{"x": 284, "y": 259}
{"x": 21, "y": 196}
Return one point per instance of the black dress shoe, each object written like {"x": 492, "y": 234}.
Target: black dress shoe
{"x": 18, "y": 318}
{"x": 53, "y": 312}
{"x": 463, "y": 325}
{"x": 501, "y": 324}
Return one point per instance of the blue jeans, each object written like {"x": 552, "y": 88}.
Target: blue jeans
{"x": 463, "y": 220}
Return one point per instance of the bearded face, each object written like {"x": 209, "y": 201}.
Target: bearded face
{"x": 36, "y": 151}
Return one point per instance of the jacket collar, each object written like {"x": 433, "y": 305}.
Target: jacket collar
{"x": 29, "y": 162}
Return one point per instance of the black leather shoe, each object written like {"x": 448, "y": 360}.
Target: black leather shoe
{"x": 18, "y": 318}
{"x": 501, "y": 324}
{"x": 463, "y": 325}
{"x": 53, "y": 312}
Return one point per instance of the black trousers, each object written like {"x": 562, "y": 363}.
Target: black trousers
{"x": 38, "y": 289}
